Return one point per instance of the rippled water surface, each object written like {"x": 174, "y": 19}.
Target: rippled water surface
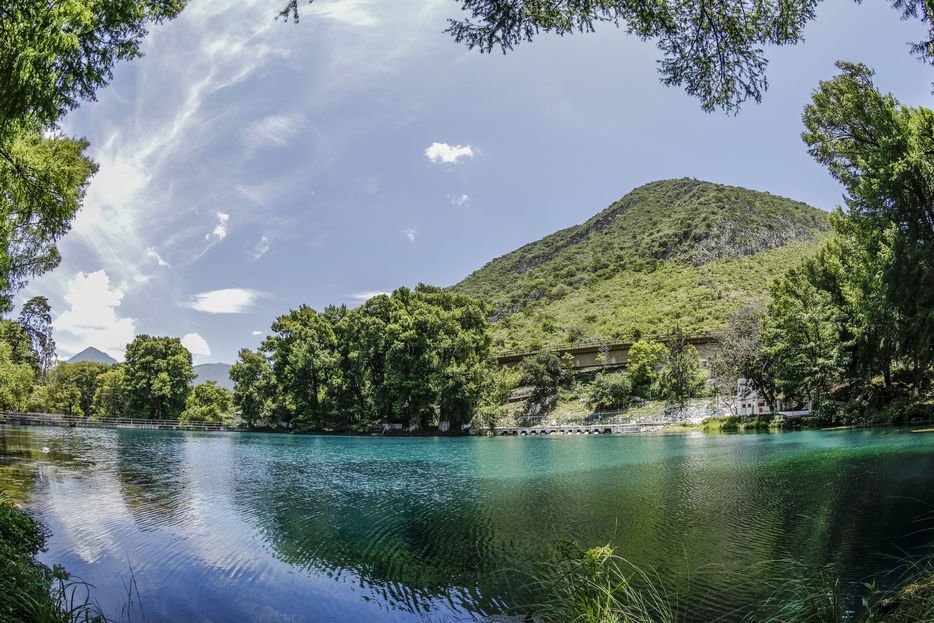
{"x": 243, "y": 527}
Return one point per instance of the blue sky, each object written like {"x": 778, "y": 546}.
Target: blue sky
{"x": 248, "y": 166}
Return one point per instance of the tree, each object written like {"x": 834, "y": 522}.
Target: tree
{"x": 13, "y": 334}
{"x": 254, "y": 386}
{"x": 157, "y": 377}
{"x": 801, "y": 333}
{"x": 43, "y": 182}
{"x": 71, "y": 387}
{"x": 110, "y": 397}
{"x": 609, "y": 391}
{"x": 714, "y": 50}
{"x": 645, "y": 360}
{"x": 681, "y": 378}
{"x": 36, "y": 319}
{"x": 208, "y": 402}
{"x": 53, "y": 55}
{"x": 544, "y": 373}
{"x": 883, "y": 154}
{"x": 16, "y": 381}
{"x": 741, "y": 356}
{"x": 301, "y": 349}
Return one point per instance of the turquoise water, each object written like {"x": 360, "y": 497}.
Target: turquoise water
{"x": 243, "y": 527}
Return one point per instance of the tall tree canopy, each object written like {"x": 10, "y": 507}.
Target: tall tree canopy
{"x": 157, "y": 377}
{"x": 883, "y": 154}
{"x": 415, "y": 357}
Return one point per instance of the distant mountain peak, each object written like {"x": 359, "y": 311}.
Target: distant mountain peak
{"x": 92, "y": 354}
{"x": 217, "y": 372}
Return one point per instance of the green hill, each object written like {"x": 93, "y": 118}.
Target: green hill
{"x": 676, "y": 251}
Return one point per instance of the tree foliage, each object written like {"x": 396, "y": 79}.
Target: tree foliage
{"x": 609, "y": 391}
{"x": 208, "y": 402}
{"x": 883, "y": 154}
{"x": 544, "y": 373}
{"x": 680, "y": 378}
{"x": 254, "y": 386}
{"x": 43, "y": 182}
{"x": 742, "y": 356}
{"x": 16, "y": 380}
{"x": 110, "y": 397}
{"x": 646, "y": 359}
{"x": 714, "y": 50}
{"x": 157, "y": 377}
{"x": 415, "y": 357}
{"x": 35, "y": 317}
{"x": 54, "y": 55}
{"x": 71, "y": 387}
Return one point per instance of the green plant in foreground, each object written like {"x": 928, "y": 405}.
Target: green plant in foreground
{"x": 30, "y": 592}
{"x": 598, "y": 586}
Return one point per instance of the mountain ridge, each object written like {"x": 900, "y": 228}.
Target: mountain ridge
{"x": 670, "y": 238}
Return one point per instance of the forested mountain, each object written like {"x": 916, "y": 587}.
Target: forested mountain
{"x": 671, "y": 252}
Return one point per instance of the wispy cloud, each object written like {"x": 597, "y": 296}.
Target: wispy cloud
{"x": 256, "y": 333}
{"x": 442, "y": 153}
{"x": 220, "y": 230}
{"x": 410, "y": 233}
{"x": 226, "y": 301}
{"x": 272, "y": 130}
{"x": 261, "y": 248}
{"x": 154, "y": 256}
{"x": 460, "y": 200}
{"x": 351, "y": 12}
{"x": 128, "y": 206}
{"x": 91, "y": 318}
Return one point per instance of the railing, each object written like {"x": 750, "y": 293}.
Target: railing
{"x": 55, "y": 419}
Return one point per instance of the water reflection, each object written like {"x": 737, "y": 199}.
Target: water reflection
{"x": 251, "y": 527}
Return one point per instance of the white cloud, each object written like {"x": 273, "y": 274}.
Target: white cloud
{"x": 170, "y": 118}
{"x": 363, "y": 297}
{"x": 154, "y": 255}
{"x": 256, "y": 333}
{"x": 410, "y": 234}
{"x": 226, "y": 301}
{"x": 460, "y": 200}
{"x": 261, "y": 248}
{"x": 196, "y": 344}
{"x": 272, "y": 130}
{"x": 91, "y": 318}
{"x": 220, "y": 230}
{"x": 442, "y": 153}
{"x": 352, "y": 12}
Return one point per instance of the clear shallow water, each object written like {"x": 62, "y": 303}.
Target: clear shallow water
{"x": 241, "y": 527}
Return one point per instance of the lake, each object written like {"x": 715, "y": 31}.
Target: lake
{"x": 254, "y": 527}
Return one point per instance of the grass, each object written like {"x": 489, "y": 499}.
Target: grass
{"x": 596, "y": 585}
